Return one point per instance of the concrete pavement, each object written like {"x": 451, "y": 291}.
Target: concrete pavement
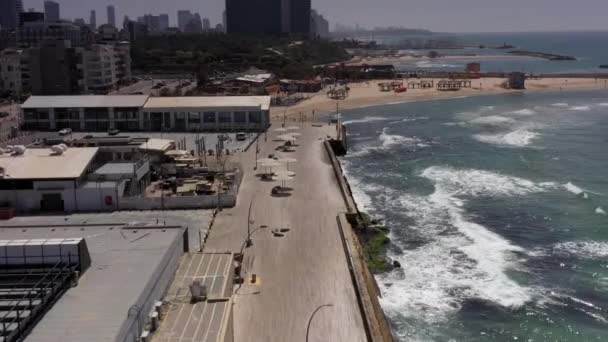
{"x": 303, "y": 269}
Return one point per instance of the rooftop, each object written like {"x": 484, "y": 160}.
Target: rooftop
{"x": 125, "y": 264}
{"x": 116, "y": 169}
{"x": 85, "y": 101}
{"x": 211, "y": 102}
{"x": 161, "y": 145}
{"x": 40, "y": 163}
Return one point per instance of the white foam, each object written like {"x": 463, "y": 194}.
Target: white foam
{"x": 493, "y": 120}
{"x": 583, "y": 249}
{"x": 581, "y": 108}
{"x": 574, "y": 189}
{"x": 366, "y": 119}
{"x": 604, "y": 104}
{"x": 524, "y": 112}
{"x": 518, "y": 138}
{"x": 600, "y": 211}
{"x": 390, "y": 140}
{"x": 415, "y": 119}
{"x": 471, "y": 262}
{"x": 560, "y": 104}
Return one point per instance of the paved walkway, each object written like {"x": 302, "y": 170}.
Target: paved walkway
{"x": 302, "y": 270}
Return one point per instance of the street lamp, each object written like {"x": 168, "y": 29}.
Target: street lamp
{"x": 313, "y": 316}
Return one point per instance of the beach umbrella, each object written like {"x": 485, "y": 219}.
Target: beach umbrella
{"x": 288, "y": 161}
{"x": 293, "y": 128}
{"x": 287, "y": 173}
{"x": 294, "y": 134}
{"x": 281, "y": 129}
{"x": 282, "y": 177}
{"x": 266, "y": 160}
{"x": 286, "y": 137}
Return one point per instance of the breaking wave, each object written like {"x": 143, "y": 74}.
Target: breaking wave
{"x": 518, "y": 138}
{"x": 582, "y": 249}
{"x": 366, "y": 119}
{"x": 581, "y": 108}
{"x": 493, "y": 120}
{"x": 461, "y": 259}
{"x": 560, "y": 104}
{"x": 525, "y": 112}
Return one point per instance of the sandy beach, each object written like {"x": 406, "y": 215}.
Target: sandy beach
{"x": 368, "y": 94}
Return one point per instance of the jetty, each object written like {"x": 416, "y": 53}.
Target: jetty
{"x": 548, "y": 56}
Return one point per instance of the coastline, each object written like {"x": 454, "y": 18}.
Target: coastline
{"x": 366, "y": 94}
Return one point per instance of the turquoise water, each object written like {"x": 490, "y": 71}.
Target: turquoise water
{"x": 590, "y": 49}
{"x": 497, "y": 213}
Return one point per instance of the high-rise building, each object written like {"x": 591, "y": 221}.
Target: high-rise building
{"x": 300, "y": 16}
{"x": 195, "y": 25}
{"x": 51, "y": 11}
{"x": 183, "y": 18}
{"x": 318, "y": 24}
{"x": 206, "y": 24}
{"x": 111, "y": 16}
{"x": 9, "y": 13}
{"x": 30, "y": 17}
{"x": 254, "y": 16}
{"x": 93, "y": 20}
{"x": 163, "y": 22}
{"x": 268, "y": 16}
{"x": 54, "y": 69}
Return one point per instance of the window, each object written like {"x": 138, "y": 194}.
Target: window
{"x": 240, "y": 117}
{"x": 225, "y": 117}
{"x": 255, "y": 117}
{"x": 209, "y": 117}
{"x": 194, "y": 118}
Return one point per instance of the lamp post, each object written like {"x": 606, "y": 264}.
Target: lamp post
{"x": 313, "y": 316}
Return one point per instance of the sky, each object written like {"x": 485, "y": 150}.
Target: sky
{"x": 436, "y": 15}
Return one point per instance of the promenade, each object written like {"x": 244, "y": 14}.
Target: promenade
{"x": 302, "y": 270}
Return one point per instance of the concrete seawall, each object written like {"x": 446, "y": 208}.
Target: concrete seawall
{"x": 367, "y": 291}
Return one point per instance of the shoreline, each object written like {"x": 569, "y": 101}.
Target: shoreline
{"x": 410, "y": 58}
{"x": 366, "y": 94}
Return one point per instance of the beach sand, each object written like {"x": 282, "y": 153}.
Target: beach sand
{"x": 368, "y": 94}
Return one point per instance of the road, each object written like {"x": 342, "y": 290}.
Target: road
{"x": 300, "y": 271}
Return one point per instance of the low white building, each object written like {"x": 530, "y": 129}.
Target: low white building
{"x": 42, "y": 180}
{"x": 90, "y": 113}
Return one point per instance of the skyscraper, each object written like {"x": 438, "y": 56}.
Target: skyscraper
{"x": 254, "y": 16}
{"x": 268, "y": 16}
{"x": 51, "y": 11}
{"x": 183, "y": 18}
{"x": 111, "y": 16}
{"x": 163, "y": 22}
{"x": 206, "y": 24}
{"x": 93, "y": 20}
{"x": 300, "y": 16}
{"x": 9, "y": 13}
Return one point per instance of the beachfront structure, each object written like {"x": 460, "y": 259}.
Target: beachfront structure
{"x": 90, "y": 113}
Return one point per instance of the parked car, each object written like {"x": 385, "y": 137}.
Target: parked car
{"x": 241, "y": 136}
{"x": 65, "y": 131}
{"x": 113, "y": 131}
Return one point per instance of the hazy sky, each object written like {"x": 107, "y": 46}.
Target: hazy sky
{"x": 437, "y": 15}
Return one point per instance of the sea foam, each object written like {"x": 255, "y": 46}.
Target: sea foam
{"x": 518, "y": 138}
{"x": 581, "y": 108}
{"x": 583, "y": 249}
{"x": 461, "y": 259}
{"x": 366, "y": 119}
{"x": 524, "y": 112}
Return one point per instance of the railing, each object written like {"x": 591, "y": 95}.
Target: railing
{"x": 43, "y": 290}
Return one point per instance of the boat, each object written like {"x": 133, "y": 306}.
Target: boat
{"x": 400, "y": 90}
{"x": 603, "y": 66}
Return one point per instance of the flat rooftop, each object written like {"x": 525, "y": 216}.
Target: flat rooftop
{"x": 205, "y": 321}
{"x": 125, "y": 261}
{"x": 209, "y": 102}
{"x": 40, "y": 163}
{"x": 85, "y": 101}
{"x": 116, "y": 169}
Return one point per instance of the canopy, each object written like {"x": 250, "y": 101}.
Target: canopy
{"x": 294, "y": 134}
{"x": 281, "y": 129}
{"x": 289, "y": 174}
{"x": 286, "y": 137}
{"x": 293, "y": 128}
{"x": 266, "y": 160}
{"x": 287, "y": 160}
{"x": 282, "y": 177}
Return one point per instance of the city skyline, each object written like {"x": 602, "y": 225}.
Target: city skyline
{"x": 542, "y": 15}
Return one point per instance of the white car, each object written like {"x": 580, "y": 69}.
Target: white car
{"x": 65, "y": 131}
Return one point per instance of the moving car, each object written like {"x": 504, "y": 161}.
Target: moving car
{"x": 113, "y": 131}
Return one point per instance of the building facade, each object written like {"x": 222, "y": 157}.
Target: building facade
{"x": 183, "y": 18}
{"x": 55, "y": 68}
{"x": 300, "y": 14}
{"x": 35, "y": 33}
{"x": 111, "y": 15}
{"x": 319, "y": 26}
{"x": 9, "y": 14}
{"x": 92, "y": 113}
{"x": 93, "y": 20}
{"x": 51, "y": 11}
{"x": 13, "y": 78}
{"x": 254, "y": 16}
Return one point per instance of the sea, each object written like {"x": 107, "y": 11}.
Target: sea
{"x": 497, "y": 211}
{"x": 496, "y": 204}
{"x": 589, "y": 48}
